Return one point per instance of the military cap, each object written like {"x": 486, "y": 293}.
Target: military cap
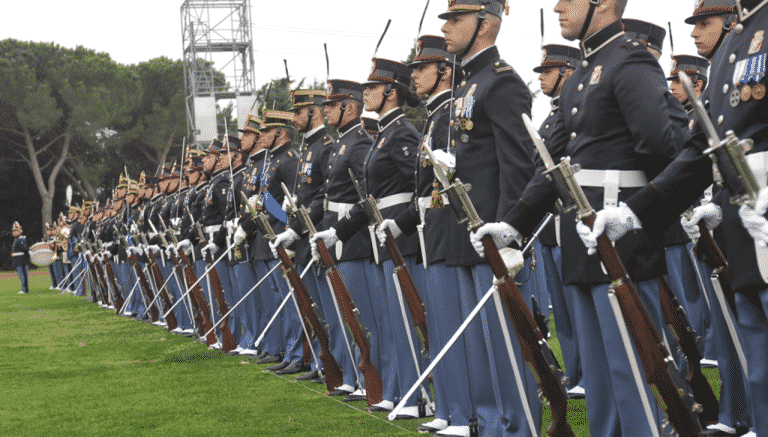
{"x": 233, "y": 143}
{"x": 191, "y": 153}
{"x": 133, "y": 189}
{"x": 649, "y": 33}
{"x": 704, "y": 8}
{"x": 251, "y": 124}
{"x": 75, "y": 209}
{"x": 214, "y": 147}
{"x": 16, "y": 226}
{"x": 276, "y": 119}
{"x": 152, "y": 180}
{"x": 392, "y": 72}
{"x": 303, "y": 98}
{"x": 689, "y": 65}
{"x": 371, "y": 125}
{"x": 457, "y": 7}
{"x": 431, "y": 49}
{"x": 166, "y": 171}
{"x": 340, "y": 89}
{"x": 556, "y": 55}
{"x": 197, "y": 163}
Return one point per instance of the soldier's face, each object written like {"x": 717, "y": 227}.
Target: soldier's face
{"x": 267, "y": 138}
{"x": 208, "y": 162}
{"x": 458, "y": 31}
{"x": 164, "y": 185}
{"x": 548, "y": 79}
{"x": 16, "y": 233}
{"x": 332, "y": 113}
{"x": 247, "y": 141}
{"x": 676, "y": 88}
{"x": 301, "y": 118}
{"x": 424, "y": 77}
{"x": 572, "y": 15}
{"x": 372, "y": 96}
{"x": 706, "y": 32}
{"x": 120, "y": 193}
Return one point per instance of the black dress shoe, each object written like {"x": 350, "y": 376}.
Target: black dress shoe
{"x": 374, "y": 408}
{"x": 338, "y": 392}
{"x": 308, "y": 376}
{"x": 261, "y": 355}
{"x": 320, "y": 380}
{"x": 269, "y": 359}
{"x": 278, "y": 366}
{"x": 292, "y": 369}
{"x": 354, "y": 398}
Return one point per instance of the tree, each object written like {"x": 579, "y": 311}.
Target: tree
{"x": 53, "y": 97}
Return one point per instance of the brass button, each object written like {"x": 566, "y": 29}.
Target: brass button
{"x": 725, "y": 89}
{"x": 452, "y": 122}
{"x": 732, "y": 58}
{"x": 574, "y": 111}
{"x": 463, "y": 83}
{"x": 720, "y": 119}
{"x": 573, "y": 136}
{"x": 585, "y": 64}
{"x": 581, "y": 86}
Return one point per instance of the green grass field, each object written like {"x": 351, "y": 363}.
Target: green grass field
{"x": 70, "y": 367}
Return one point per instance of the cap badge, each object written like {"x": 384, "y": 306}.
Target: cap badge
{"x": 543, "y": 55}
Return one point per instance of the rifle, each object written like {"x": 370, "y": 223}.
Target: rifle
{"x": 352, "y": 320}
{"x": 333, "y": 375}
{"x": 89, "y": 267}
{"x": 142, "y": 278}
{"x": 170, "y": 318}
{"x": 533, "y": 344}
{"x": 407, "y": 286}
{"x": 104, "y": 285}
{"x": 227, "y": 342}
{"x": 688, "y": 341}
{"x": 680, "y": 407}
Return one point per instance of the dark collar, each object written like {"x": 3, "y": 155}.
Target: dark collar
{"x": 238, "y": 169}
{"x": 348, "y": 128}
{"x": 218, "y": 172}
{"x": 257, "y": 156}
{"x": 555, "y": 103}
{"x": 750, "y": 4}
{"x": 316, "y": 136}
{"x": 392, "y": 116}
{"x": 279, "y": 149}
{"x": 437, "y": 102}
{"x": 481, "y": 60}
{"x": 601, "y": 38}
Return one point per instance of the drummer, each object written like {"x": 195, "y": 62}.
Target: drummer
{"x": 20, "y": 255}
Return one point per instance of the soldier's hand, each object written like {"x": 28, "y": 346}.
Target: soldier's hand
{"x": 381, "y": 234}
{"x": 253, "y": 201}
{"x": 329, "y": 239}
{"x": 240, "y": 235}
{"x": 211, "y": 247}
{"x": 710, "y": 213}
{"x": 185, "y": 245}
{"x": 284, "y": 239}
{"x": 614, "y": 221}
{"x": 754, "y": 220}
{"x": 503, "y": 234}
{"x": 170, "y": 250}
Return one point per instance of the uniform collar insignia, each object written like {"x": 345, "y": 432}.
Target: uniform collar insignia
{"x": 555, "y": 103}
{"x": 314, "y": 135}
{"x": 390, "y": 118}
{"x": 344, "y": 130}
{"x": 485, "y": 57}
{"x": 601, "y": 38}
{"x": 436, "y": 101}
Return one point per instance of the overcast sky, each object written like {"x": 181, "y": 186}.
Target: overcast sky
{"x": 138, "y": 30}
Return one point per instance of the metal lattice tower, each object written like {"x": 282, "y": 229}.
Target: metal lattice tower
{"x": 216, "y": 36}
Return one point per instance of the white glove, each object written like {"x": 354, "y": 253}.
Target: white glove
{"x": 171, "y": 249}
{"x": 287, "y": 204}
{"x": 381, "y": 231}
{"x": 185, "y": 245}
{"x": 613, "y": 221}
{"x": 503, "y": 234}
{"x": 175, "y": 222}
{"x": 240, "y": 235}
{"x": 107, "y": 254}
{"x": 329, "y": 238}
{"x": 710, "y": 213}
{"x": 754, "y": 220}
{"x": 211, "y": 247}
{"x": 253, "y": 201}
{"x": 88, "y": 254}
{"x": 135, "y": 249}
{"x": 154, "y": 248}
{"x": 284, "y": 239}
{"x": 65, "y": 232}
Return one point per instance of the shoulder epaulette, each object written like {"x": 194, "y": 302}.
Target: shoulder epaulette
{"x": 633, "y": 44}
{"x": 501, "y": 66}
{"x": 327, "y": 141}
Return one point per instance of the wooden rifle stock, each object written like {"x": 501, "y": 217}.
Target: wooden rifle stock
{"x": 145, "y": 286}
{"x": 227, "y": 342}
{"x": 710, "y": 252}
{"x": 333, "y": 375}
{"x": 660, "y": 372}
{"x": 373, "y": 385}
{"x": 195, "y": 305}
{"x": 118, "y": 298}
{"x": 205, "y": 324}
{"x": 170, "y": 319}
{"x": 675, "y": 317}
{"x": 533, "y": 345}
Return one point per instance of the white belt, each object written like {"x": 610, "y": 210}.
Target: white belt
{"x": 611, "y": 181}
{"x": 17, "y": 254}
{"x": 395, "y": 199}
{"x": 758, "y": 163}
{"x": 211, "y": 229}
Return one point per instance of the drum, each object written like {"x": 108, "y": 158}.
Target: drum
{"x": 41, "y": 255}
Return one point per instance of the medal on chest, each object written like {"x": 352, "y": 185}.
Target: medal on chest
{"x": 748, "y": 73}
{"x": 465, "y": 107}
